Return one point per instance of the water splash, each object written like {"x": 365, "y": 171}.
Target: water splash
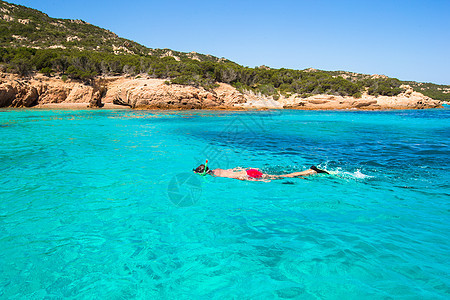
{"x": 356, "y": 175}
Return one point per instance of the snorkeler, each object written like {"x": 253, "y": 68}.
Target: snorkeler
{"x": 252, "y": 174}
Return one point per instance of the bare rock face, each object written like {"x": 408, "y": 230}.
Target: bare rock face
{"x": 7, "y": 94}
{"x": 364, "y": 103}
{"x": 52, "y": 94}
{"x": 314, "y": 101}
{"x": 18, "y": 94}
{"x": 80, "y": 94}
{"x": 40, "y": 90}
{"x": 154, "y": 93}
{"x": 96, "y": 100}
{"x": 29, "y": 98}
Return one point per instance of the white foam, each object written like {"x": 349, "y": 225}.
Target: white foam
{"x": 349, "y": 175}
{"x": 360, "y": 175}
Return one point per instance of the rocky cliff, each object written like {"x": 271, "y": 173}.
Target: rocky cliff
{"x": 144, "y": 92}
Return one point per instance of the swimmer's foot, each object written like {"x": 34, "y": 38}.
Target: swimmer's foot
{"x": 318, "y": 170}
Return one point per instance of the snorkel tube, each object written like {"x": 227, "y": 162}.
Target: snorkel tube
{"x": 206, "y": 166}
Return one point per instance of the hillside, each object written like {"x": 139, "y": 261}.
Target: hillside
{"x": 31, "y": 41}
{"x": 432, "y": 90}
{"x": 21, "y": 26}
{"x": 435, "y": 91}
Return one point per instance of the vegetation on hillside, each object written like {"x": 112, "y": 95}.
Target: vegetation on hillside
{"x": 25, "y": 27}
{"x": 85, "y": 65}
{"x": 31, "y": 41}
{"x": 21, "y": 26}
{"x": 435, "y": 91}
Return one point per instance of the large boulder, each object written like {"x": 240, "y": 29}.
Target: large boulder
{"x": 96, "y": 100}
{"x": 18, "y": 94}
{"x": 28, "y": 98}
{"x": 80, "y": 93}
{"x": 7, "y": 94}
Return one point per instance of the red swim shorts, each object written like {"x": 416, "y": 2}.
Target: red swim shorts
{"x": 253, "y": 173}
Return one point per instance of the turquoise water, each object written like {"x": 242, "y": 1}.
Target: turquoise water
{"x": 102, "y": 204}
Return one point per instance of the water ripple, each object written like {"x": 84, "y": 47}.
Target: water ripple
{"x": 85, "y": 212}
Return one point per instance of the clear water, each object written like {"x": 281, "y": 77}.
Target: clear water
{"x": 102, "y": 204}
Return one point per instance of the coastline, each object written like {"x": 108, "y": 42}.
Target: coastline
{"x": 107, "y": 106}
{"x": 146, "y": 93}
{"x": 74, "y": 106}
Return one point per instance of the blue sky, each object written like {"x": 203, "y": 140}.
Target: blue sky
{"x": 409, "y": 40}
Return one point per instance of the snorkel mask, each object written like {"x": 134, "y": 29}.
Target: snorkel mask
{"x": 202, "y": 172}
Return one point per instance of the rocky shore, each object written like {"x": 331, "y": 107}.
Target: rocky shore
{"x": 142, "y": 92}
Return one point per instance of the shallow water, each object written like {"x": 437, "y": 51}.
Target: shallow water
{"x": 102, "y": 204}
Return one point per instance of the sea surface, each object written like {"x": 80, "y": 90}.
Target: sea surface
{"x": 102, "y": 204}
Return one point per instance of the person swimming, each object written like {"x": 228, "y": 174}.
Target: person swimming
{"x": 252, "y": 173}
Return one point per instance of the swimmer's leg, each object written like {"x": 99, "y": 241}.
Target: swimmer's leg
{"x": 312, "y": 171}
{"x": 299, "y": 174}
{"x": 293, "y": 175}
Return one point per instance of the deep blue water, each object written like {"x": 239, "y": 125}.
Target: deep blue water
{"x": 102, "y": 204}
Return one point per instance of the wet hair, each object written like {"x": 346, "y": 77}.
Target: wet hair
{"x": 200, "y": 169}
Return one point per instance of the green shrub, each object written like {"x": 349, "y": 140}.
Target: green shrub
{"x": 46, "y": 71}
{"x": 78, "y": 73}
{"x": 357, "y": 95}
{"x": 22, "y": 66}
